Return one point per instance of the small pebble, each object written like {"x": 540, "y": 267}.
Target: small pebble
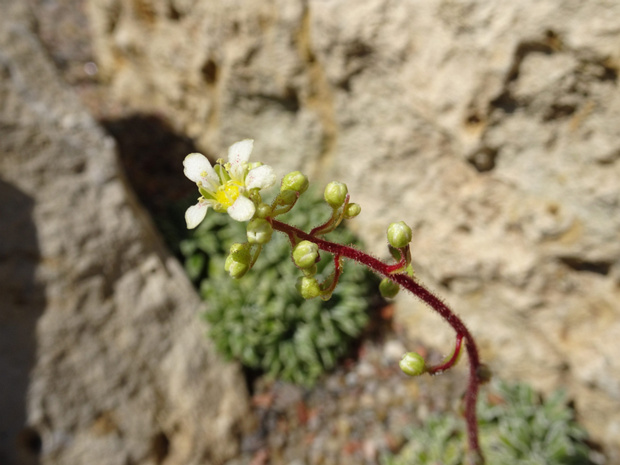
{"x": 366, "y": 370}
{"x": 393, "y": 351}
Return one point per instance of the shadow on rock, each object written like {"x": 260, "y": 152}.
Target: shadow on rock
{"x": 151, "y": 153}
{"x": 23, "y": 302}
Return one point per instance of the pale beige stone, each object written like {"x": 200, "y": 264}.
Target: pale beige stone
{"x": 490, "y": 127}
{"x": 103, "y": 357}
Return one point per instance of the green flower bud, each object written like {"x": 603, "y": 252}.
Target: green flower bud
{"x": 388, "y": 288}
{"x": 295, "y": 181}
{"x": 352, "y": 210}
{"x": 259, "y": 231}
{"x": 399, "y": 234}
{"x": 240, "y": 253}
{"x": 305, "y": 254}
{"x": 234, "y": 268}
{"x": 335, "y": 193}
{"x": 308, "y": 287}
{"x": 263, "y": 211}
{"x": 310, "y": 271}
{"x": 287, "y": 197}
{"x": 412, "y": 364}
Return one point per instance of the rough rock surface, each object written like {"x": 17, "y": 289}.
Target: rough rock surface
{"x": 491, "y": 127}
{"x": 103, "y": 358}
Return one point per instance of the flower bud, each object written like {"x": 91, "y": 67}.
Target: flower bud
{"x": 310, "y": 271}
{"x": 263, "y": 210}
{"x": 336, "y": 193}
{"x": 234, "y": 268}
{"x": 240, "y": 253}
{"x": 399, "y": 234}
{"x": 308, "y": 287}
{"x": 287, "y": 197}
{"x": 352, "y": 210}
{"x": 305, "y": 254}
{"x": 295, "y": 181}
{"x": 412, "y": 364}
{"x": 259, "y": 231}
{"x": 388, "y": 288}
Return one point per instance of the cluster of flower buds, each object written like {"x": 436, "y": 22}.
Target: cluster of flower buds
{"x": 399, "y": 236}
{"x": 238, "y": 260}
{"x": 306, "y": 257}
{"x": 260, "y": 229}
{"x": 293, "y": 185}
{"x": 337, "y": 197}
{"x": 306, "y": 253}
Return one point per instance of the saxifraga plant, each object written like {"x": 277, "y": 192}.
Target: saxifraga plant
{"x": 517, "y": 427}
{"x": 235, "y": 188}
{"x": 262, "y": 320}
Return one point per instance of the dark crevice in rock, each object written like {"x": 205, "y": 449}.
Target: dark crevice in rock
{"x": 251, "y": 375}
{"x": 591, "y": 266}
{"x": 173, "y": 12}
{"x": 609, "y": 74}
{"x": 546, "y": 46}
{"x": 473, "y": 119}
{"x": 160, "y": 447}
{"x": 112, "y": 18}
{"x": 357, "y": 55}
{"x": 358, "y": 49}
{"x": 29, "y": 440}
{"x": 559, "y": 111}
{"x": 483, "y": 159}
{"x": 289, "y": 101}
{"x": 210, "y": 72}
{"x": 505, "y": 102}
{"x": 597, "y": 68}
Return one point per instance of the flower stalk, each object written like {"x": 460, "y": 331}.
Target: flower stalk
{"x": 424, "y": 294}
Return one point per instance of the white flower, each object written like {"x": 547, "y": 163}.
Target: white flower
{"x": 226, "y": 187}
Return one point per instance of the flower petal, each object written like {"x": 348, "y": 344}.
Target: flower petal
{"x": 198, "y": 169}
{"x": 242, "y": 210}
{"x": 261, "y": 177}
{"x": 195, "y": 214}
{"x": 239, "y": 152}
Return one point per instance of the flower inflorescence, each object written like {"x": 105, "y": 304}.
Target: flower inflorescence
{"x": 235, "y": 188}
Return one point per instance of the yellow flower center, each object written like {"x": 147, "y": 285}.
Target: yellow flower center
{"x": 227, "y": 194}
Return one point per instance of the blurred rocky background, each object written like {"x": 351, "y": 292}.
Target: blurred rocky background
{"x": 490, "y": 127}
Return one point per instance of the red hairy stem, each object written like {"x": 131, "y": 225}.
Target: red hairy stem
{"x": 449, "y": 363}
{"x": 333, "y": 222}
{"x": 427, "y": 297}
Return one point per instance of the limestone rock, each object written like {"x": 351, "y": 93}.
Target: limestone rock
{"x": 490, "y": 127}
{"x": 103, "y": 357}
